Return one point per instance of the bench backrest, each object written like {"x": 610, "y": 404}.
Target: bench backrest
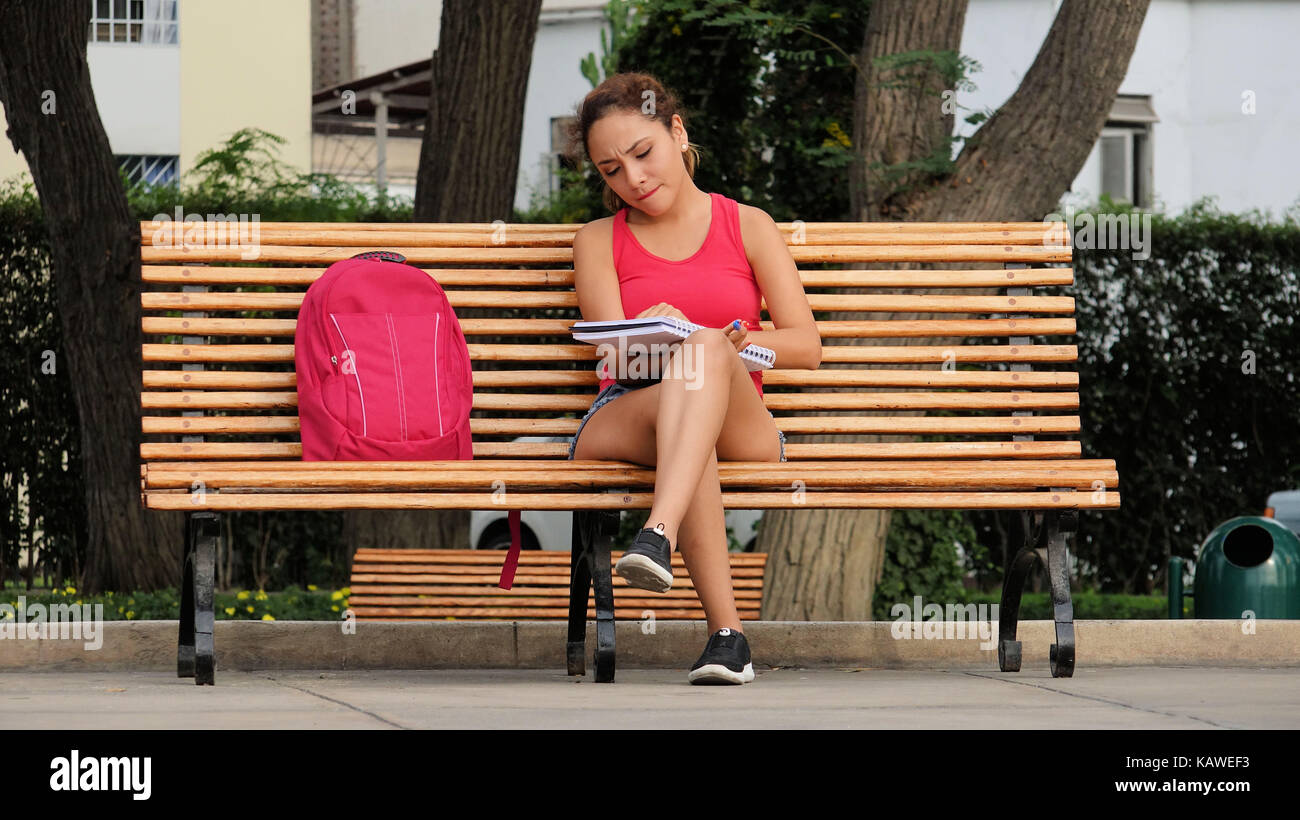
{"x": 219, "y": 321}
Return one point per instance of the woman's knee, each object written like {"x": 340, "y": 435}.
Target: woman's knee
{"x": 709, "y": 351}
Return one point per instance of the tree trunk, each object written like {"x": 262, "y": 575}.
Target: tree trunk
{"x": 469, "y": 160}
{"x": 468, "y": 172}
{"x": 95, "y": 253}
{"x": 1016, "y": 167}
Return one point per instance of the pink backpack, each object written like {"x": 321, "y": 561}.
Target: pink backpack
{"x": 383, "y": 370}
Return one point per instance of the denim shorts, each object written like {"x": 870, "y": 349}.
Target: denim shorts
{"x": 612, "y": 392}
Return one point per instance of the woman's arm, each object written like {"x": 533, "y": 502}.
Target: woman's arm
{"x": 796, "y": 341}
{"x": 595, "y": 281}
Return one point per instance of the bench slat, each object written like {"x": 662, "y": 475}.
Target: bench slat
{"x": 584, "y": 354}
{"x": 819, "y": 425}
{"x": 887, "y": 251}
{"x": 876, "y": 303}
{"x": 525, "y": 235}
{"x": 147, "y": 227}
{"x": 1065, "y": 499}
{"x": 266, "y": 380}
{"x": 563, "y": 278}
{"x": 811, "y": 479}
{"x": 527, "y": 558}
{"x": 608, "y": 466}
{"x": 152, "y": 451}
{"x": 546, "y": 402}
{"x": 625, "y": 613}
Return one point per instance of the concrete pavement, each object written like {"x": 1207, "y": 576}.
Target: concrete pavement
{"x": 788, "y": 698}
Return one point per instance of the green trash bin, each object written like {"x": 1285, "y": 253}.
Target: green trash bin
{"x": 1246, "y": 563}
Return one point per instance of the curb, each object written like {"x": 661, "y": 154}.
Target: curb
{"x": 253, "y": 645}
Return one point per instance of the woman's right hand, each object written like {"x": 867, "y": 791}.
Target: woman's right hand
{"x": 662, "y": 309}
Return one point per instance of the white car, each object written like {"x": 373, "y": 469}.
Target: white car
{"x": 553, "y": 529}
{"x": 1284, "y": 506}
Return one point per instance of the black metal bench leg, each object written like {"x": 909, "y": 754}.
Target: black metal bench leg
{"x": 1019, "y": 562}
{"x": 1058, "y": 569}
{"x": 196, "y": 655}
{"x": 603, "y": 527}
{"x": 579, "y": 593}
{"x": 185, "y": 643}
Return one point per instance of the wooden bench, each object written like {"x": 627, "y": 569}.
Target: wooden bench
{"x": 220, "y": 377}
{"x": 403, "y": 585}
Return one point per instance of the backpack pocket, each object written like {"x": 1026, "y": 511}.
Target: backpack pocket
{"x": 388, "y": 367}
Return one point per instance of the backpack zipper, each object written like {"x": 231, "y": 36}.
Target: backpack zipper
{"x": 437, "y": 394}
{"x": 355, "y": 372}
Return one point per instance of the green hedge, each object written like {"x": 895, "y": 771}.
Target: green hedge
{"x": 294, "y": 604}
{"x": 290, "y": 604}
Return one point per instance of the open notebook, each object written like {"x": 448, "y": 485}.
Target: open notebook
{"x": 661, "y": 330}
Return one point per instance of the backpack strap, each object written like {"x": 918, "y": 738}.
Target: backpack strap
{"x": 512, "y": 557}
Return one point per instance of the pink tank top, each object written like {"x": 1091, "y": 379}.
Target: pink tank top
{"x": 711, "y": 287}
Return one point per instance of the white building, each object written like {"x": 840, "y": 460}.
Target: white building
{"x": 1219, "y": 76}
{"x": 174, "y": 78}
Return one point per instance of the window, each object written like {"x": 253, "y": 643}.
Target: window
{"x": 1125, "y": 148}
{"x": 134, "y": 21}
{"x": 151, "y": 169}
{"x": 559, "y": 127}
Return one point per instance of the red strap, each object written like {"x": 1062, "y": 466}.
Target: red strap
{"x": 512, "y": 557}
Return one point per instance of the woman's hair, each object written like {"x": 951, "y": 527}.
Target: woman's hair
{"x": 619, "y": 93}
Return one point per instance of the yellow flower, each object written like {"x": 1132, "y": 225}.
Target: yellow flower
{"x": 250, "y": 607}
{"x": 335, "y": 607}
{"x": 243, "y": 595}
{"x": 267, "y": 617}
{"x": 839, "y": 135}
{"x": 336, "y": 595}
{"x": 346, "y": 590}
{"x": 130, "y": 613}
{"x": 230, "y": 610}
{"x": 71, "y": 590}
{"x": 311, "y": 587}
{"x": 119, "y": 609}
{"x": 677, "y": 30}
{"x": 260, "y": 596}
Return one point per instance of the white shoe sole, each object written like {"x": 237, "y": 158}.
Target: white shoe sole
{"x": 643, "y": 573}
{"x": 717, "y": 673}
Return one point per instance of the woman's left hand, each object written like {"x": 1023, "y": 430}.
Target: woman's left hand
{"x": 738, "y": 337}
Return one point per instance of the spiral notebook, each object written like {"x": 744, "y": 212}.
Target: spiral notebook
{"x": 661, "y": 330}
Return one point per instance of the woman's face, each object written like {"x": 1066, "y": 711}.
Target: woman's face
{"x": 640, "y": 159}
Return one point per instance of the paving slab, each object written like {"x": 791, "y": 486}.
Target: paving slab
{"x": 1139, "y": 697}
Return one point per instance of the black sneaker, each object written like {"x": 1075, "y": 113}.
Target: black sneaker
{"x": 646, "y": 564}
{"x": 725, "y": 659}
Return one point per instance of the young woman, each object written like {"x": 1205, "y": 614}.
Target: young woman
{"x": 674, "y": 250}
